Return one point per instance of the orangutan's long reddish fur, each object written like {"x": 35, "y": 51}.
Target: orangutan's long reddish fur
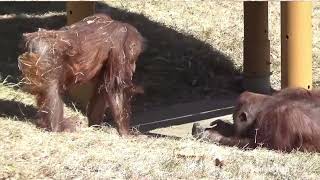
{"x": 95, "y": 49}
{"x": 288, "y": 120}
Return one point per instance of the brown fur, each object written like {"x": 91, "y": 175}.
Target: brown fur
{"x": 94, "y": 49}
{"x": 288, "y": 120}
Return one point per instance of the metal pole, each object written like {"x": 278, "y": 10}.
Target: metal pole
{"x": 77, "y": 10}
{"x": 296, "y": 44}
{"x": 256, "y": 47}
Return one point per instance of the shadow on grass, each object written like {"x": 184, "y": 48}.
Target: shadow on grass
{"x": 30, "y": 7}
{"x": 176, "y": 68}
{"x": 13, "y": 23}
{"x": 17, "y": 109}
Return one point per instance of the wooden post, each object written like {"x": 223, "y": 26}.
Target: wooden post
{"x": 296, "y": 44}
{"x": 77, "y": 10}
{"x": 256, "y": 47}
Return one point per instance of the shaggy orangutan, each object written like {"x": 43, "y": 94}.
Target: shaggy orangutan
{"x": 96, "y": 48}
{"x": 288, "y": 120}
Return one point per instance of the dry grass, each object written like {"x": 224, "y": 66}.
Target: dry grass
{"x": 29, "y": 153}
{"x": 220, "y": 23}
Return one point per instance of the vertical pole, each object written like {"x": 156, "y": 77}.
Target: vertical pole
{"x": 77, "y": 10}
{"x": 296, "y": 44}
{"x": 256, "y": 47}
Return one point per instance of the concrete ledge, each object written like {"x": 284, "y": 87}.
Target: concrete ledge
{"x": 181, "y": 114}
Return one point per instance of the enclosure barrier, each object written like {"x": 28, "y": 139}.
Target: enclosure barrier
{"x": 256, "y": 47}
{"x": 77, "y": 10}
{"x": 296, "y": 44}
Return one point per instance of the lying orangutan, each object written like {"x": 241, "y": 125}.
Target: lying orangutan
{"x": 288, "y": 120}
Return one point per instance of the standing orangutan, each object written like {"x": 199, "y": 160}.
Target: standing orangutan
{"x": 288, "y": 120}
{"x": 95, "y": 49}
